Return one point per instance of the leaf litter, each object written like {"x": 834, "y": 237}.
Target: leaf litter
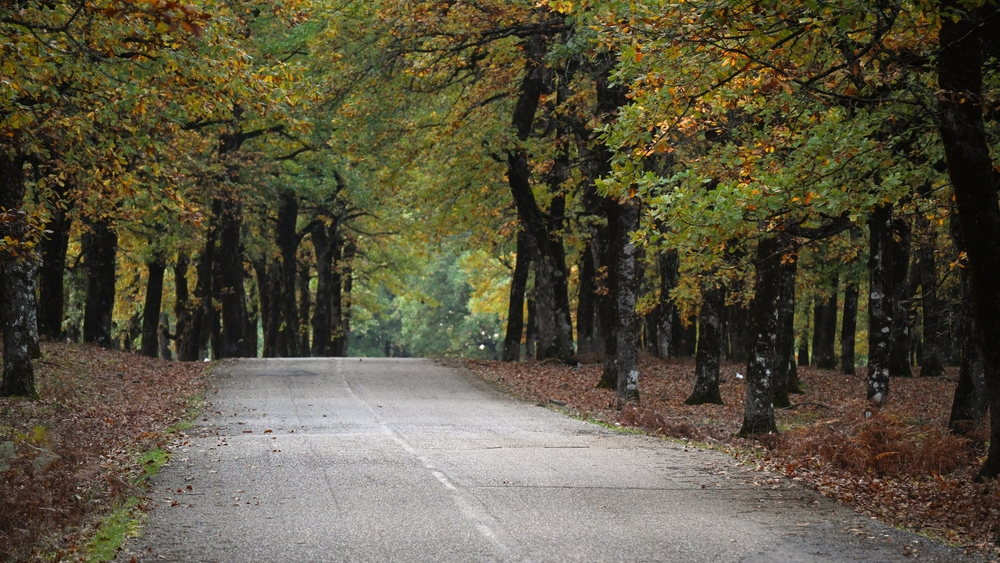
{"x": 74, "y": 453}
{"x": 900, "y": 465}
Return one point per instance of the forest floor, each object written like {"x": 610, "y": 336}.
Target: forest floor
{"x": 81, "y": 451}
{"x": 901, "y": 465}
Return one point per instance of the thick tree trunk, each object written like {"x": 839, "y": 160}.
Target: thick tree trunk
{"x": 848, "y": 328}
{"x": 288, "y": 244}
{"x": 825, "y": 329}
{"x": 17, "y": 288}
{"x": 970, "y": 167}
{"x": 706, "y": 368}
{"x": 163, "y": 337}
{"x": 100, "y": 247}
{"x": 50, "y": 275}
{"x": 17, "y": 313}
{"x": 185, "y": 336}
{"x": 971, "y": 401}
{"x": 232, "y": 295}
{"x": 786, "y": 375}
{"x": 530, "y": 331}
{"x": 668, "y": 265}
{"x": 880, "y": 309}
{"x": 901, "y": 335}
{"x": 758, "y": 413}
{"x": 621, "y": 368}
{"x": 151, "y": 308}
{"x": 587, "y": 319}
{"x": 515, "y": 309}
{"x": 931, "y": 359}
{"x": 323, "y": 250}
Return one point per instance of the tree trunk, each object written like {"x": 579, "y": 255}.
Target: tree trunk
{"x": 621, "y": 368}
{"x": 803, "y": 359}
{"x": 100, "y": 246}
{"x": 232, "y": 295}
{"x": 323, "y": 250}
{"x": 163, "y": 337}
{"x": 288, "y": 244}
{"x": 758, "y": 414}
{"x": 971, "y": 400}
{"x": 515, "y": 309}
{"x": 305, "y": 303}
{"x": 931, "y": 360}
{"x": 880, "y": 309}
{"x": 848, "y": 328}
{"x": 151, "y": 308}
{"x": 786, "y": 375}
{"x": 531, "y": 331}
{"x": 53, "y": 246}
{"x": 555, "y": 338}
{"x": 667, "y": 264}
{"x": 970, "y": 168}
{"x": 17, "y": 288}
{"x": 185, "y": 337}
{"x": 706, "y": 369}
{"x": 901, "y": 335}
{"x": 737, "y": 329}
{"x": 346, "y": 269}
{"x": 825, "y": 331}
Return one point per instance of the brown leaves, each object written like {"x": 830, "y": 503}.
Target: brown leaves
{"x": 76, "y": 445}
{"x": 901, "y": 465}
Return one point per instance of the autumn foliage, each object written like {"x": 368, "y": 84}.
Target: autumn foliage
{"x": 70, "y": 456}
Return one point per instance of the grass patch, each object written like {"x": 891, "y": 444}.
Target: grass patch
{"x": 123, "y": 522}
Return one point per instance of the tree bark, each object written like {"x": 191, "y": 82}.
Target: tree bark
{"x": 284, "y": 293}
{"x": 232, "y": 295}
{"x": 100, "y": 247}
{"x": 758, "y": 413}
{"x": 323, "y": 250}
{"x": 667, "y": 265}
{"x": 17, "y": 288}
{"x": 163, "y": 337}
{"x": 709, "y": 354}
{"x": 185, "y": 338}
{"x": 880, "y": 309}
{"x": 848, "y": 328}
{"x": 825, "y": 329}
{"x": 515, "y": 309}
{"x": 530, "y": 331}
{"x": 970, "y": 168}
{"x": 621, "y": 368}
{"x": 931, "y": 359}
{"x": 305, "y": 303}
{"x": 54, "y": 245}
{"x": 151, "y": 308}
{"x": 786, "y": 377}
{"x": 971, "y": 401}
{"x": 901, "y": 335}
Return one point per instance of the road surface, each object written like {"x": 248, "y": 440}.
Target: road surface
{"x": 381, "y": 460}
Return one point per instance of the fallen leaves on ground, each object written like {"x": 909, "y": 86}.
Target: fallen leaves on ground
{"x": 900, "y": 465}
{"x": 70, "y": 455}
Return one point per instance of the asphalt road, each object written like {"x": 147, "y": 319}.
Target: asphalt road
{"x": 407, "y": 460}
